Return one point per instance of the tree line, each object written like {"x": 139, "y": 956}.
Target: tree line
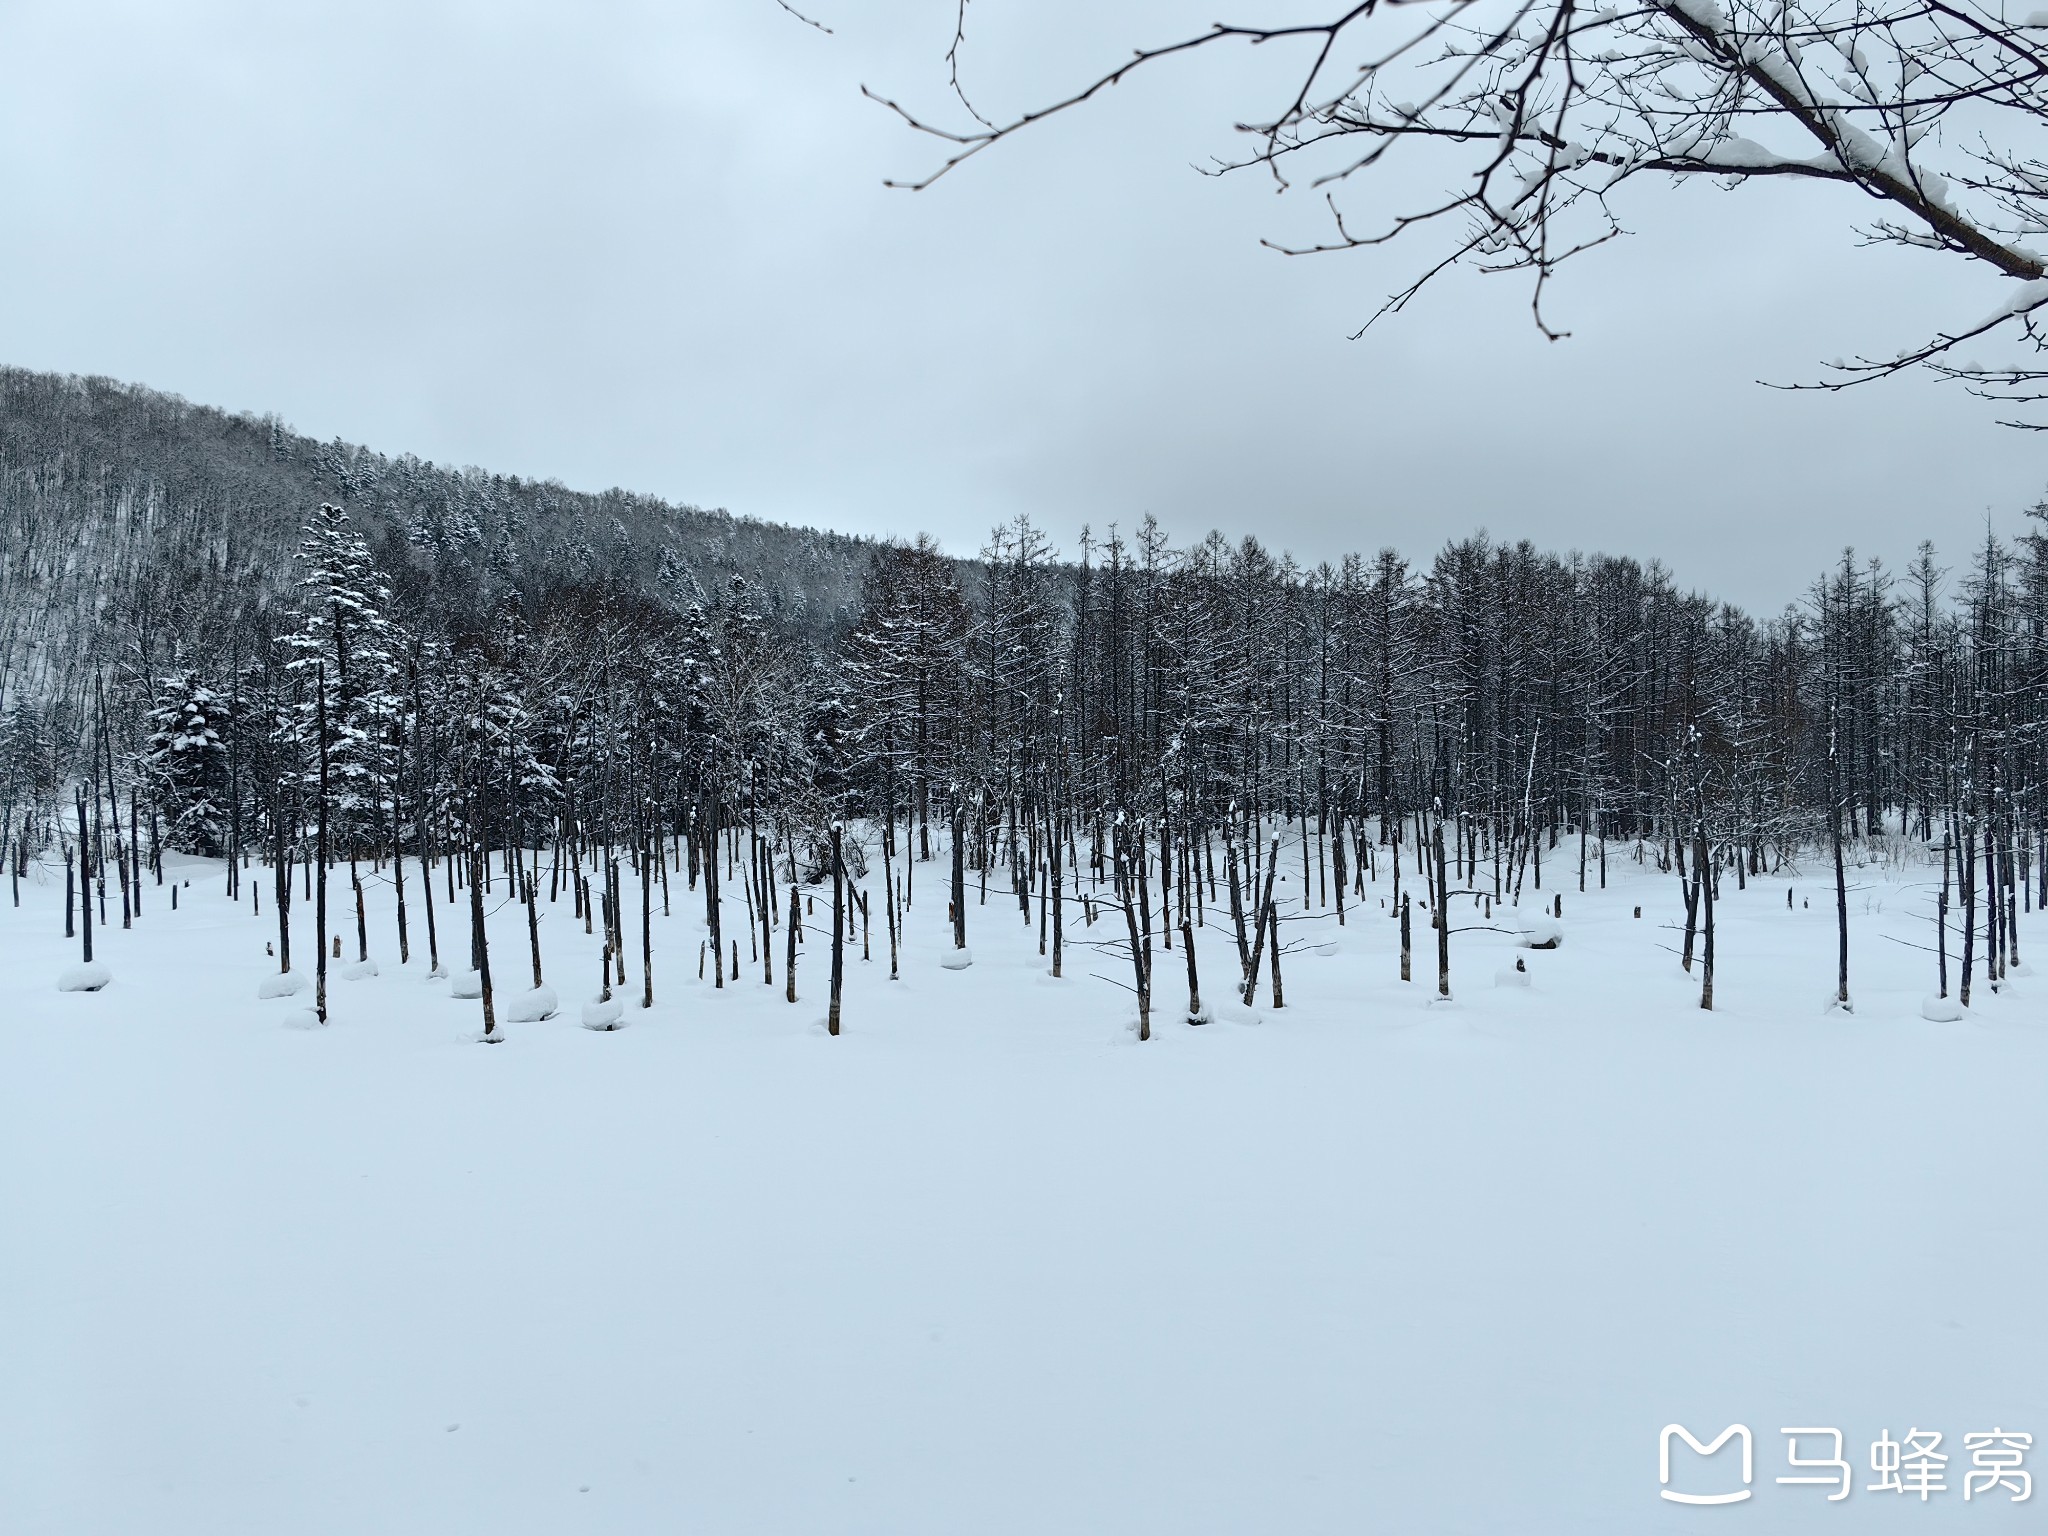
{"x": 1161, "y": 737}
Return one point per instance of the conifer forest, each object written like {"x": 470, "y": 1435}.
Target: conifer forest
{"x": 224, "y": 640}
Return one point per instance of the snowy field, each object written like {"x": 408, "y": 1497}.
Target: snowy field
{"x": 987, "y": 1264}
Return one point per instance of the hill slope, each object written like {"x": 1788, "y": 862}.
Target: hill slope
{"x": 117, "y": 497}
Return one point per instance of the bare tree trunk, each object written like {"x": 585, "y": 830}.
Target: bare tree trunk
{"x": 762, "y": 860}
{"x": 959, "y": 876}
{"x": 1442, "y": 914}
{"x": 1966, "y": 875}
{"x": 284, "y": 891}
{"x": 1273, "y": 923}
{"x": 795, "y": 925}
{"x": 479, "y": 937}
{"x": 1407, "y": 932}
{"x": 1994, "y": 907}
{"x": 1141, "y": 959}
{"x": 1940, "y": 915}
{"x": 320, "y": 850}
{"x": 838, "y": 933}
{"x": 398, "y": 861}
{"x": 650, "y": 855}
{"x": 533, "y": 927}
{"x": 711, "y": 908}
{"x": 85, "y": 884}
{"x": 1057, "y": 879}
{"x": 1244, "y": 949}
{"x": 1841, "y": 904}
{"x": 1337, "y": 860}
{"x": 1706, "y": 883}
{"x": 1251, "y": 979}
{"x": 889, "y": 895}
{"x": 1689, "y": 883}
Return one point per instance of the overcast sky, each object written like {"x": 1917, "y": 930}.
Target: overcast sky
{"x": 648, "y": 245}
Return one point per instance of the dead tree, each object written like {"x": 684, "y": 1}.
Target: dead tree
{"x": 650, "y": 851}
{"x": 1407, "y": 946}
{"x": 85, "y": 887}
{"x": 1141, "y": 957}
{"x": 1441, "y": 913}
{"x": 959, "y": 873}
{"x": 479, "y": 936}
{"x": 838, "y": 933}
{"x": 1260, "y": 924}
{"x": 796, "y": 923}
{"x": 532, "y": 925}
{"x": 320, "y": 847}
{"x": 1273, "y": 923}
{"x": 1706, "y": 881}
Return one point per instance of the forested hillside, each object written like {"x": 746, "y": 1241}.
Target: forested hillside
{"x": 138, "y": 531}
{"x": 229, "y": 639}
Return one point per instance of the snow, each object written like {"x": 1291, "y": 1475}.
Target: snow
{"x": 467, "y": 984}
{"x": 603, "y": 1013}
{"x": 283, "y": 984}
{"x": 359, "y": 970}
{"x": 88, "y": 976}
{"x": 532, "y": 1007}
{"x": 985, "y": 1263}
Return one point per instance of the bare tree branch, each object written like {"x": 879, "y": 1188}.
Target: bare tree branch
{"x": 1541, "y": 111}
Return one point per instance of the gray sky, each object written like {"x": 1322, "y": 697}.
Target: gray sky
{"x": 647, "y": 244}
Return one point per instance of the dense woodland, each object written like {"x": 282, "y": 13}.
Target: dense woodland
{"x": 221, "y": 638}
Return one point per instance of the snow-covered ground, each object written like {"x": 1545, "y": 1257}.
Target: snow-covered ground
{"x": 987, "y": 1264}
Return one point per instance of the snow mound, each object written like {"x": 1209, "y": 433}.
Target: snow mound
{"x": 284, "y": 984}
{"x": 467, "y": 984}
{"x": 302, "y": 1018}
{"x": 1942, "y": 1010}
{"x": 88, "y": 977}
{"x": 358, "y": 970}
{"x": 604, "y": 1015}
{"x": 1326, "y": 949}
{"x": 532, "y": 1007}
{"x": 1540, "y": 931}
{"x": 1507, "y": 976}
{"x": 957, "y": 959}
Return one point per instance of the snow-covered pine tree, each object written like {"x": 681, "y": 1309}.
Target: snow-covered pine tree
{"x": 344, "y": 603}
{"x": 185, "y": 763}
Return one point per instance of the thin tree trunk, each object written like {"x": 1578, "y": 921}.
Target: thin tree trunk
{"x": 789, "y": 959}
{"x": 320, "y": 851}
{"x": 838, "y": 933}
